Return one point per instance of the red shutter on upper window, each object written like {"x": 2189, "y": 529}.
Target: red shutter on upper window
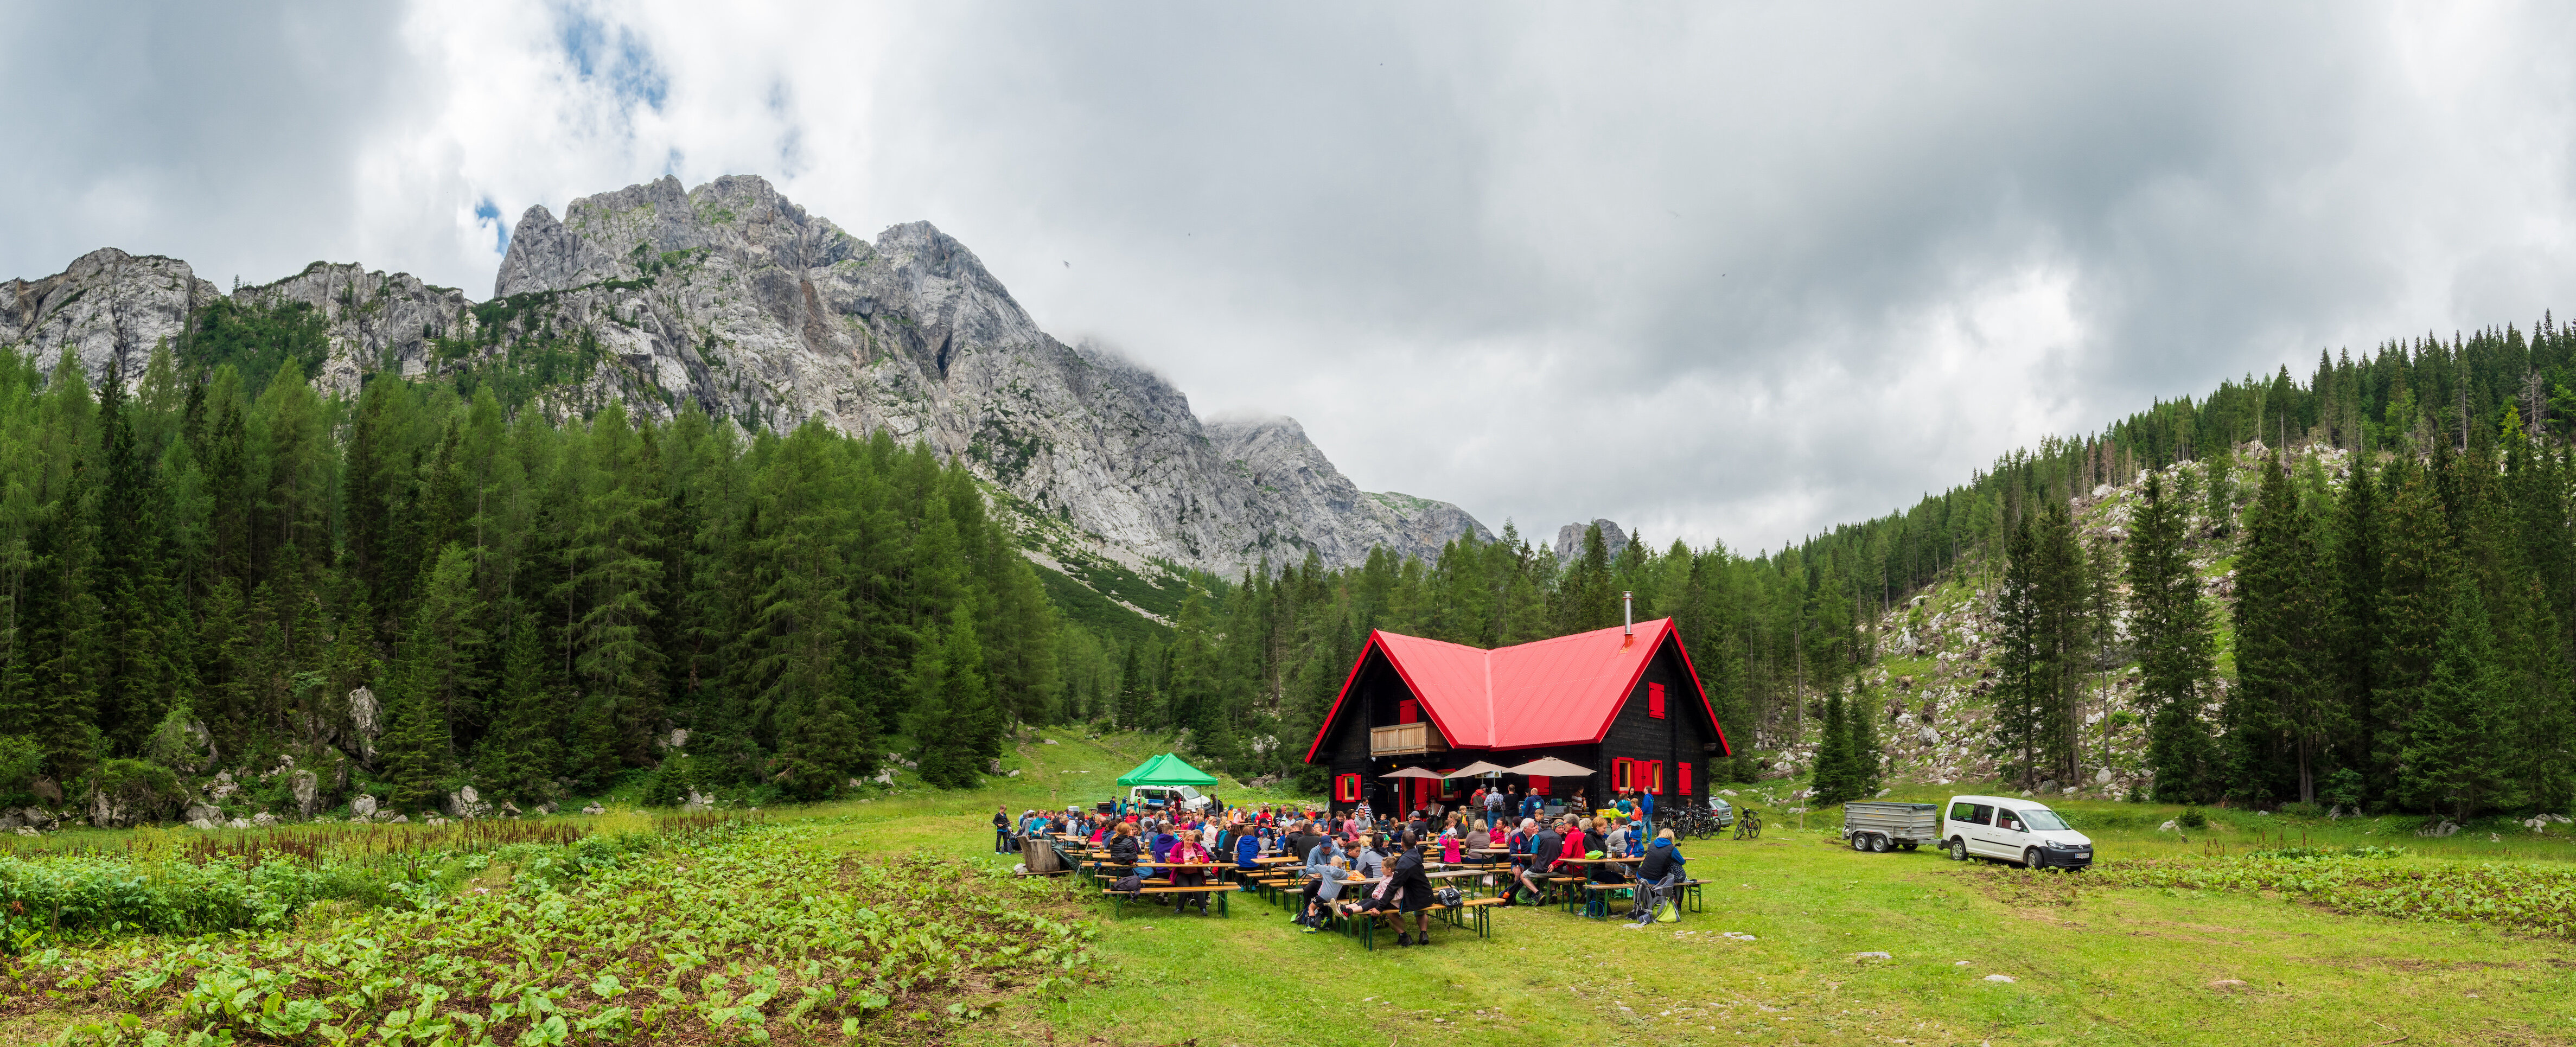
{"x": 1408, "y": 711}
{"x": 1682, "y": 773}
{"x": 1655, "y": 700}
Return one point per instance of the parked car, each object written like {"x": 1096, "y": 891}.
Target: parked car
{"x": 2011, "y": 830}
{"x": 1158, "y": 798}
{"x": 1877, "y": 825}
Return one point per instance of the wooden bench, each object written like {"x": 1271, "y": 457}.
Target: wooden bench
{"x": 1596, "y": 897}
{"x": 1220, "y": 890}
{"x": 1471, "y": 914}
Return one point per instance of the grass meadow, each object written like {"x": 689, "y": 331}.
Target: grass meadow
{"x": 890, "y": 920}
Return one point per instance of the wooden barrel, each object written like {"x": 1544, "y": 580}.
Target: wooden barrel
{"x": 1039, "y": 855}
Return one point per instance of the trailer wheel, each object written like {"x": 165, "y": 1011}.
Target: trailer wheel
{"x": 1878, "y": 844}
{"x": 1860, "y": 841}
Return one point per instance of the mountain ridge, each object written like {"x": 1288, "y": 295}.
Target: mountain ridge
{"x": 736, "y": 300}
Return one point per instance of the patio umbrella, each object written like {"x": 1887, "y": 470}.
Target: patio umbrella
{"x": 1474, "y": 769}
{"x": 1412, "y": 772}
{"x": 1551, "y": 767}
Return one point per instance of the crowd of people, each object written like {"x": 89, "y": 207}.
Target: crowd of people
{"x": 1391, "y": 853}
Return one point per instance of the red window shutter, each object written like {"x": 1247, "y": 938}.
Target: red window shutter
{"x": 1408, "y": 711}
{"x": 1620, "y": 776}
{"x": 1655, "y": 700}
{"x": 1682, "y": 771}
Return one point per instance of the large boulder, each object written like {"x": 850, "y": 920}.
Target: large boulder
{"x": 698, "y": 801}
{"x": 308, "y": 791}
{"x": 367, "y": 717}
{"x": 464, "y": 803}
{"x": 201, "y": 811}
{"x": 363, "y": 807}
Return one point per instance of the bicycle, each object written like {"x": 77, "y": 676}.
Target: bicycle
{"x": 1700, "y": 822}
{"x": 1749, "y": 827}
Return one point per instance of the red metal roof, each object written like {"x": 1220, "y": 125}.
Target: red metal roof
{"x": 1564, "y": 691}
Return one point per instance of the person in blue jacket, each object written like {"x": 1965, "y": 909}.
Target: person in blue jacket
{"x": 1646, "y": 812}
{"x": 1247, "y": 851}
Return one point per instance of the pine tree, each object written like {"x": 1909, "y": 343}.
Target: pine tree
{"x": 2171, "y": 627}
{"x": 2449, "y": 763}
{"x": 2353, "y": 586}
{"x": 1861, "y": 756}
{"x": 2416, "y": 587}
{"x": 954, "y": 719}
{"x": 1835, "y": 779}
{"x": 2021, "y": 656}
{"x": 2281, "y": 707}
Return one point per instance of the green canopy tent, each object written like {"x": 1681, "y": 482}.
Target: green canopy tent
{"x": 1167, "y": 770}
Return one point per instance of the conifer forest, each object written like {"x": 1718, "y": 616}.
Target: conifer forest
{"x": 208, "y": 565}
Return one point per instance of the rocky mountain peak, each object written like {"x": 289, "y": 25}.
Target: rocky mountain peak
{"x": 1569, "y": 539}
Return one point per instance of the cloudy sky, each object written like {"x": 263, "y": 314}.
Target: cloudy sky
{"x": 1719, "y": 272}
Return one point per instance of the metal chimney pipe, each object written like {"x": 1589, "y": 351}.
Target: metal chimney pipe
{"x": 1627, "y": 614}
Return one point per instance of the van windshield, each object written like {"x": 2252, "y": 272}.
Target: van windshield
{"x": 2043, "y": 820}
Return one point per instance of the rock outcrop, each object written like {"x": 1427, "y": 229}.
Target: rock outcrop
{"x": 1569, "y": 540}
{"x": 107, "y": 307}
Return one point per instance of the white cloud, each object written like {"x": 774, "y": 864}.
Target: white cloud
{"x": 1735, "y": 272}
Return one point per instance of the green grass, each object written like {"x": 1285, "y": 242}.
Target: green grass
{"x": 2093, "y": 960}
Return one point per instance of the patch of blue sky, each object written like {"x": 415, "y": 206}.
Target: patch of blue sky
{"x": 487, "y": 213}
{"x": 625, "y": 63}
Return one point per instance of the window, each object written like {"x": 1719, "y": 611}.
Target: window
{"x": 1408, "y": 711}
{"x": 1448, "y": 788}
{"x": 1655, "y": 700}
{"x": 1976, "y": 813}
{"x": 1623, "y": 773}
{"x": 2008, "y": 820}
{"x": 1346, "y": 788}
{"x": 1682, "y": 771}
{"x": 1654, "y": 776}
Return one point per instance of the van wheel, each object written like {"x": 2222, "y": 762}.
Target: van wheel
{"x": 2030, "y": 858}
{"x": 1958, "y": 849}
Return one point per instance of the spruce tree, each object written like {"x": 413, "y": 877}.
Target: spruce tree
{"x": 954, "y": 721}
{"x": 2171, "y": 628}
{"x": 2353, "y": 630}
{"x": 2449, "y": 765}
{"x": 1834, "y": 778}
{"x": 2281, "y": 708}
{"x": 2416, "y": 587}
{"x": 2021, "y": 660}
{"x": 1861, "y": 756}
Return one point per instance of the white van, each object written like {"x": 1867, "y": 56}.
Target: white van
{"x": 1161, "y": 797}
{"x": 2023, "y": 831}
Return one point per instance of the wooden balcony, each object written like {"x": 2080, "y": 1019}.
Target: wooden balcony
{"x": 1405, "y": 739}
